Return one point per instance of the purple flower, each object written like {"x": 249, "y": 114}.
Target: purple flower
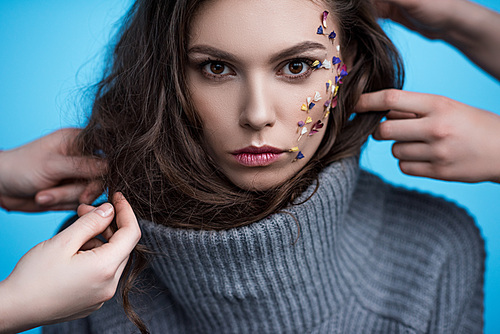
{"x": 336, "y": 60}
{"x": 320, "y": 30}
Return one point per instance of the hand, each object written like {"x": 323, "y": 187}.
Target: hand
{"x": 73, "y": 274}
{"x": 438, "y": 137}
{"x": 468, "y": 26}
{"x": 44, "y": 175}
{"x": 427, "y": 17}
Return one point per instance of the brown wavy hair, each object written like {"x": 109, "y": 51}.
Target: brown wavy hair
{"x": 143, "y": 123}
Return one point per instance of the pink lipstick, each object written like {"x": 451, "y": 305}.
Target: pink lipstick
{"x": 257, "y": 156}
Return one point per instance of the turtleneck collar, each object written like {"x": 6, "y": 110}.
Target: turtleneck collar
{"x": 280, "y": 266}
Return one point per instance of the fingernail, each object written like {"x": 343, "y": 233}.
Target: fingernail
{"x": 45, "y": 199}
{"x": 104, "y": 210}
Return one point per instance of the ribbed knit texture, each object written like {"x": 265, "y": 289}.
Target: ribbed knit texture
{"x": 367, "y": 258}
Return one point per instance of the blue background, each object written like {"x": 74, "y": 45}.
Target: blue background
{"x": 51, "y": 50}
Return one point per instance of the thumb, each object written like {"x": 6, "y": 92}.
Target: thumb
{"x": 86, "y": 227}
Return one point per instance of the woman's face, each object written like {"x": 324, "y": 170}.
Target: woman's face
{"x": 250, "y": 71}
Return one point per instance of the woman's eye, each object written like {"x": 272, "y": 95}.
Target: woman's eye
{"x": 216, "y": 68}
{"x": 295, "y": 68}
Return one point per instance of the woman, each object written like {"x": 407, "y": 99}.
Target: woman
{"x": 253, "y": 223}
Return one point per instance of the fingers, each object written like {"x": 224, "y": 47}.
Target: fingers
{"x": 93, "y": 190}
{"x": 71, "y": 167}
{"x": 30, "y": 205}
{"x": 84, "y": 209}
{"x": 86, "y": 227}
{"x": 128, "y": 233}
{"x": 420, "y": 168}
{"x": 91, "y": 244}
{"x": 402, "y": 130}
{"x": 398, "y": 100}
{"x": 65, "y": 194}
{"x": 412, "y": 151}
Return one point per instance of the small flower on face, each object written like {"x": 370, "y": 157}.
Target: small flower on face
{"x": 308, "y": 120}
{"x": 328, "y": 84}
{"x": 343, "y": 71}
{"x": 301, "y": 124}
{"x": 326, "y": 64}
{"x": 334, "y": 102}
{"x": 320, "y": 30}
{"x": 336, "y": 60}
{"x": 325, "y": 15}
{"x": 311, "y": 105}
{"x": 294, "y": 149}
{"x": 299, "y": 156}
{"x": 317, "y": 97}
{"x": 304, "y": 107}
{"x": 327, "y": 104}
{"x": 318, "y": 125}
{"x": 338, "y": 48}
{"x": 316, "y": 64}
{"x": 332, "y": 35}
{"x": 309, "y": 100}
{"x": 303, "y": 131}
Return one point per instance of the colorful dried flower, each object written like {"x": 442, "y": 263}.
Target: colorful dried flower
{"x": 317, "y": 97}
{"x": 326, "y": 64}
{"x": 320, "y": 30}
{"x": 336, "y": 60}
{"x": 299, "y": 156}
{"x": 318, "y": 125}
{"x": 294, "y": 149}
{"x": 328, "y": 84}
{"x": 308, "y": 120}
{"x": 332, "y": 35}
{"x": 325, "y": 15}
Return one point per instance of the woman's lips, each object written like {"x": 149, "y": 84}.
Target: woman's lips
{"x": 257, "y": 156}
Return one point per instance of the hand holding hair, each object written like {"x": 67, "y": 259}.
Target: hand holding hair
{"x": 72, "y": 274}
{"x": 437, "y": 137}
{"x": 46, "y": 175}
{"x": 472, "y": 28}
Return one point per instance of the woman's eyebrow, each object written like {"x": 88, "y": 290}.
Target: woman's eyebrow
{"x": 286, "y": 53}
{"x": 211, "y": 51}
{"x": 297, "y": 49}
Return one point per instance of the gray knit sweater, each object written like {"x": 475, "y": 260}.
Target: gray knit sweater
{"x": 369, "y": 258}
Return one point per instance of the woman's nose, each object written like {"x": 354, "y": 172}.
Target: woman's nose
{"x": 257, "y": 111}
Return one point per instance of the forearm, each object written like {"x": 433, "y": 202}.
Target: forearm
{"x": 2, "y": 172}
{"x": 475, "y": 31}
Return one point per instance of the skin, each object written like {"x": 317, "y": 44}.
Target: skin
{"x": 72, "y": 263}
{"x": 435, "y": 136}
{"x": 438, "y": 137}
{"x": 44, "y": 175}
{"x": 255, "y": 100}
{"x": 470, "y": 27}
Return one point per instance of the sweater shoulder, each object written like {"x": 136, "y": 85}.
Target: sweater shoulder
{"x": 424, "y": 247}
{"x": 414, "y": 216}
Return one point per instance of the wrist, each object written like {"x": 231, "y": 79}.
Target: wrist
{"x": 9, "y": 312}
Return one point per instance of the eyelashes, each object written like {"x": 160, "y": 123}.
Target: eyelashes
{"x": 290, "y": 70}
{"x": 216, "y": 70}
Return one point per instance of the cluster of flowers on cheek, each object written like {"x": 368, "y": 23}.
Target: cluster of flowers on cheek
{"x": 332, "y": 87}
